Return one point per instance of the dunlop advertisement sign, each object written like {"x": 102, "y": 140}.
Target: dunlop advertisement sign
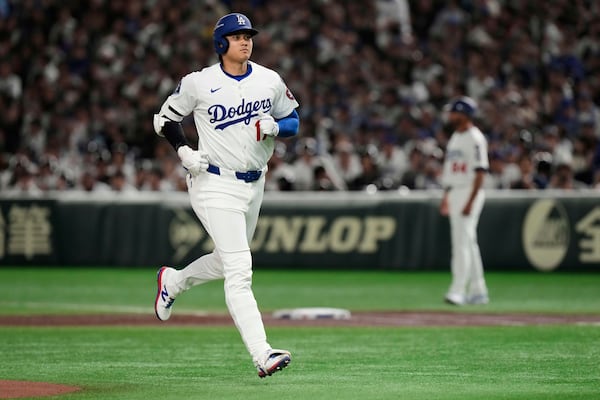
{"x": 515, "y": 232}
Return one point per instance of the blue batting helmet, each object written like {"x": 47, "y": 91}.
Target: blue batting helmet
{"x": 227, "y": 25}
{"x": 464, "y": 105}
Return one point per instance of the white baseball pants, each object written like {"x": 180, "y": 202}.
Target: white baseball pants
{"x": 466, "y": 264}
{"x": 228, "y": 209}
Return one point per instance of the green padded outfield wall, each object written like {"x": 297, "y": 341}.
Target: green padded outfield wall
{"x": 518, "y": 231}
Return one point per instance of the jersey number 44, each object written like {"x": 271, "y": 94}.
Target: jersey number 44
{"x": 459, "y": 167}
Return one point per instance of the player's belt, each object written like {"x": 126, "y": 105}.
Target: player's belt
{"x": 248, "y": 176}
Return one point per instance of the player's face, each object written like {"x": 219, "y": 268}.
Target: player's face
{"x": 240, "y": 47}
{"x": 456, "y": 119}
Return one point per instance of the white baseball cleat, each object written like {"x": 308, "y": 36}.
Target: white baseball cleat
{"x": 478, "y": 299}
{"x": 164, "y": 298}
{"x": 455, "y": 299}
{"x": 273, "y": 361}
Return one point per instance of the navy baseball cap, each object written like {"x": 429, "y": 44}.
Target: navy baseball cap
{"x": 464, "y": 105}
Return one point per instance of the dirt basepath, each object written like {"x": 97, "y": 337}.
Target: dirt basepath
{"x": 20, "y": 389}
{"x": 387, "y": 318}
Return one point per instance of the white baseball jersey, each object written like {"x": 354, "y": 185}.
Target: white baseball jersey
{"x": 226, "y": 111}
{"x": 466, "y": 152}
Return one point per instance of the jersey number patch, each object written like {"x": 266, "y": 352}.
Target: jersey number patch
{"x": 459, "y": 167}
{"x": 258, "y": 138}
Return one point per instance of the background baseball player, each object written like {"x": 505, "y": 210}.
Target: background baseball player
{"x": 464, "y": 171}
{"x": 238, "y": 108}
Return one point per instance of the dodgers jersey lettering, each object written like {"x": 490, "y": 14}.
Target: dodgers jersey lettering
{"x": 226, "y": 110}
{"x": 466, "y": 152}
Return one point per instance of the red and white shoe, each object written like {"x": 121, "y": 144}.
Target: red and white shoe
{"x": 164, "y": 297}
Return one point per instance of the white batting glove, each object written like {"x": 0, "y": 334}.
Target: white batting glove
{"x": 268, "y": 125}
{"x": 193, "y": 160}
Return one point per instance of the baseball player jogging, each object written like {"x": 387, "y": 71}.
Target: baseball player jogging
{"x": 465, "y": 167}
{"x": 238, "y": 108}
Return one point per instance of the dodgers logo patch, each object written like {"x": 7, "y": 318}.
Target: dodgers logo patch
{"x": 289, "y": 94}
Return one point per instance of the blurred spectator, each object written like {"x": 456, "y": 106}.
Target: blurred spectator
{"x": 393, "y": 22}
{"x": 142, "y": 173}
{"x": 392, "y": 162}
{"x": 432, "y": 173}
{"x": 47, "y": 179}
{"x": 370, "y": 175}
{"x": 415, "y": 169}
{"x": 89, "y": 183}
{"x": 308, "y": 158}
{"x": 280, "y": 174}
{"x": 583, "y": 154}
{"x": 305, "y": 164}
{"x": 543, "y": 169}
{"x": 558, "y": 146}
{"x": 347, "y": 162}
{"x": 10, "y": 83}
{"x": 563, "y": 178}
{"x": 494, "y": 178}
{"x": 322, "y": 181}
{"x": 527, "y": 170}
{"x": 5, "y": 173}
{"x": 23, "y": 180}
{"x": 35, "y": 136}
{"x": 588, "y": 114}
{"x": 155, "y": 182}
{"x": 118, "y": 183}
{"x": 120, "y": 161}
{"x": 596, "y": 165}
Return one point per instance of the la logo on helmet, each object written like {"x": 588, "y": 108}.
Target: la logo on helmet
{"x": 241, "y": 20}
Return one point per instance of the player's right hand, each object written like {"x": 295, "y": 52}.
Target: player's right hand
{"x": 268, "y": 125}
{"x": 193, "y": 160}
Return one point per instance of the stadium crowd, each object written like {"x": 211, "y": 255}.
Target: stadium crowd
{"x": 80, "y": 81}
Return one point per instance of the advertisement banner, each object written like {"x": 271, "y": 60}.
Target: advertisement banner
{"x": 516, "y": 232}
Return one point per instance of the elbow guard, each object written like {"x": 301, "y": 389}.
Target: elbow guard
{"x": 166, "y": 114}
{"x": 159, "y": 122}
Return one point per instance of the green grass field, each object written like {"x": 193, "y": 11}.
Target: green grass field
{"x": 175, "y": 362}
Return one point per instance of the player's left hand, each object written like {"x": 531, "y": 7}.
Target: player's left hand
{"x": 268, "y": 125}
